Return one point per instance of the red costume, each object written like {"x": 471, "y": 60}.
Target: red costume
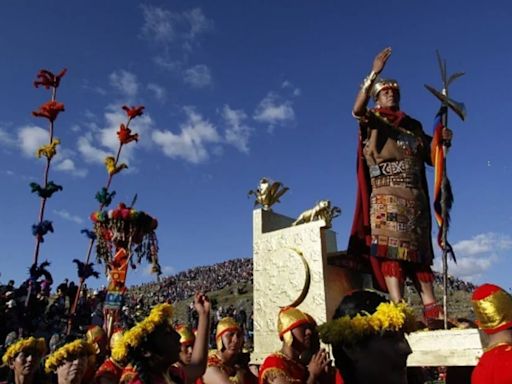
{"x": 278, "y": 365}
{"x": 494, "y": 367}
{"x": 493, "y": 311}
{"x": 109, "y": 368}
{"x": 176, "y": 375}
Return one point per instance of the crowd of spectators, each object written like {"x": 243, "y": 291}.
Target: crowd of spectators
{"x": 48, "y": 312}
{"x": 454, "y": 283}
{"x": 184, "y": 284}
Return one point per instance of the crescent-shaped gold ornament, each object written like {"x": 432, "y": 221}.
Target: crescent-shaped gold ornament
{"x": 307, "y": 280}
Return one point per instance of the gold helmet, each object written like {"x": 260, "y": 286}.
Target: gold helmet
{"x": 96, "y": 336}
{"x": 290, "y": 318}
{"x": 227, "y": 324}
{"x": 186, "y": 335}
{"x": 493, "y": 308}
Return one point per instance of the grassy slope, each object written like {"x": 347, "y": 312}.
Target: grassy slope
{"x": 459, "y": 302}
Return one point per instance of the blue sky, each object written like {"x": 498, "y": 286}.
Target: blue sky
{"x": 235, "y": 91}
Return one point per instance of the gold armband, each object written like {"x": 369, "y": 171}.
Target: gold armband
{"x": 368, "y": 82}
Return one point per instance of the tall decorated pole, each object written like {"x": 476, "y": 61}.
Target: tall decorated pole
{"x": 109, "y": 236}
{"x": 49, "y": 111}
{"x": 443, "y": 196}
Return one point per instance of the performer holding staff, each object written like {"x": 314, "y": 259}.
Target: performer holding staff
{"x": 392, "y": 221}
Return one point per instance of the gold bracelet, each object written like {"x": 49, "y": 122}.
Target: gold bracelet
{"x": 368, "y": 82}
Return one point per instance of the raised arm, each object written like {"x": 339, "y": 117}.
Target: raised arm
{"x": 363, "y": 96}
{"x": 197, "y": 365}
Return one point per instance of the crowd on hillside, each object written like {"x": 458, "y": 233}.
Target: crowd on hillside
{"x": 184, "y": 284}
{"x": 47, "y": 312}
{"x": 32, "y": 308}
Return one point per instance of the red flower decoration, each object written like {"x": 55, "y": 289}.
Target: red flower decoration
{"x": 125, "y": 135}
{"x": 47, "y": 79}
{"x": 133, "y": 111}
{"x": 49, "y": 110}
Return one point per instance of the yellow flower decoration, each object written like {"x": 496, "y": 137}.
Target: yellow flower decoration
{"x": 48, "y": 150}
{"x": 160, "y": 314}
{"x": 67, "y": 352}
{"x": 387, "y": 317}
{"x": 24, "y": 344}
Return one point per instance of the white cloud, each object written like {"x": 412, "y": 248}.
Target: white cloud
{"x": 174, "y": 34}
{"x": 158, "y": 91}
{"x": 145, "y": 271}
{"x": 198, "y": 76}
{"x": 30, "y": 138}
{"x": 288, "y": 85}
{"x": 68, "y": 216}
{"x": 125, "y": 82}
{"x": 191, "y": 143}
{"x": 274, "y": 110}
{"x": 476, "y": 255}
{"x": 114, "y": 117}
{"x": 90, "y": 153}
{"x": 198, "y": 22}
{"x": 68, "y": 165}
{"x": 158, "y": 24}
{"x": 93, "y": 88}
{"x": 6, "y": 138}
{"x": 237, "y": 133}
{"x": 93, "y": 145}
{"x": 484, "y": 243}
{"x": 165, "y": 27}
{"x": 167, "y": 63}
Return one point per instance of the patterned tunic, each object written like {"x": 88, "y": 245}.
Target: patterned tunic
{"x": 395, "y": 149}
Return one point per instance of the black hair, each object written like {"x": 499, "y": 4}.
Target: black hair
{"x": 357, "y": 302}
{"x": 140, "y": 362}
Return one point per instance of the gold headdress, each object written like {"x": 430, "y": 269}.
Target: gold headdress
{"x": 134, "y": 337}
{"x": 381, "y": 84}
{"x": 226, "y": 324}
{"x": 186, "y": 335}
{"x": 94, "y": 335}
{"x": 290, "y": 318}
{"x": 68, "y": 351}
{"x": 493, "y": 308}
{"x": 24, "y": 344}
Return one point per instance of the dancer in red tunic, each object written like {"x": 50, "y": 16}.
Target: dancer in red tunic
{"x": 493, "y": 310}
{"x": 296, "y": 330}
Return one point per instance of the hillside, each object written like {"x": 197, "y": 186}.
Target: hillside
{"x": 230, "y": 286}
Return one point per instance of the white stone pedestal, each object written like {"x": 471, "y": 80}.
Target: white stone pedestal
{"x": 290, "y": 264}
{"x": 455, "y": 347}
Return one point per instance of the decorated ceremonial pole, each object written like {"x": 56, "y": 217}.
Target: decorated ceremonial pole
{"x": 50, "y": 111}
{"x": 443, "y": 197}
{"x": 104, "y": 197}
{"x": 119, "y": 233}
